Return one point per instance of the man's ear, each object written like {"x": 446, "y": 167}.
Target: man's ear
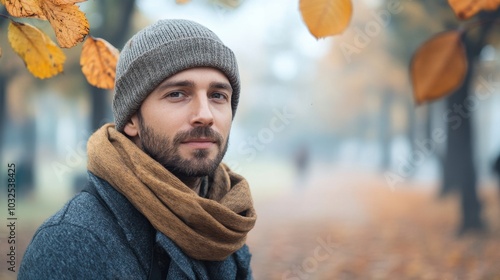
{"x": 132, "y": 126}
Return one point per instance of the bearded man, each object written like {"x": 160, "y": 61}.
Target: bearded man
{"x": 159, "y": 203}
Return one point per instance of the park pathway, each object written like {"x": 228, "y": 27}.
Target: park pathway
{"x": 346, "y": 225}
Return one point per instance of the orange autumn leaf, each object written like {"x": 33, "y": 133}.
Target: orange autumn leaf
{"x": 491, "y": 5}
{"x": 182, "y": 1}
{"x": 42, "y": 57}
{"x": 326, "y": 17}
{"x": 24, "y": 8}
{"x": 98, "y": 61}
{"x": 438, "y": 67}
{"x": 69, "y": 23}
{"x": 465, "y": 9}
{"x": 65, "y": 2}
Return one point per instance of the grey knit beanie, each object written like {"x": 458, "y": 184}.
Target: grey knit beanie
{"x": 161, "y": 50}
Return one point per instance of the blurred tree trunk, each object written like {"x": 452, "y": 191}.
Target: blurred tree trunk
{"x": 459, "y": 169}
{"x": 4, "y": 78}
{"x": 25, "y": 170}
{"x": 411, "y": 129}
{"x": 24, "y": 131}
{"x": 385, "y": 126}
{"x": 3, "y": 111}
{"x": 116, "y": 16}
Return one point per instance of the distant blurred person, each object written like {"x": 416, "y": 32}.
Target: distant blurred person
{"x": 301, "y": 161}
{"x": 159, "y": 203}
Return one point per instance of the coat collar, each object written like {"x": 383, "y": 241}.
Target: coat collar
{"x": 139, "y": 233}
{"x": 142, "y": 237}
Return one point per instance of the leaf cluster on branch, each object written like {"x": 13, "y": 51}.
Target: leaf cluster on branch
{"x": 323, "y": 18}
{"x": 326, "y": 18}
{"x": 44, "y": 58}
{"x": 438, "y": 67}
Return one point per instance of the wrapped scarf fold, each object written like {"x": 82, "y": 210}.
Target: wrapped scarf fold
{"x": 205, "y": 229}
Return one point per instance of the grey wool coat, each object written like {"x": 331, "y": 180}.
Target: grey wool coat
{"x": 100, "y": 235}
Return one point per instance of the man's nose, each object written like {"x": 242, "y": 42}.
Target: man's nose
{"x": 202, "y": 113}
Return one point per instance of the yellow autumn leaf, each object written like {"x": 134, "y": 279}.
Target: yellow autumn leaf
{"x": 24, "y": 8}
{"x": 98, "y": 61}
{"x": 326, "y": 17}
{"x": 2, "y": 2}
{"x": 438, "y": 67}
{"x": 182, "y": 1}
{"x": 69, "y": 23}
{"x": 42, "y": 57}
{"x": 465, "y": 9}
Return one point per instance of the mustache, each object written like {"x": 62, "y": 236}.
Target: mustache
{"x": 199, "y": 132}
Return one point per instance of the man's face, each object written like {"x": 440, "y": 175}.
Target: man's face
{"x": 184, "y": 123}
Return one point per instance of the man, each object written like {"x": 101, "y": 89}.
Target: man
{"x": 159, "y": 204}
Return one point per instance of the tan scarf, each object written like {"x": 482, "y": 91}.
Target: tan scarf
{"x": 205, "y": 229}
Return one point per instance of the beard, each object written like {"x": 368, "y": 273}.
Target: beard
{"x": 166, "y": 151}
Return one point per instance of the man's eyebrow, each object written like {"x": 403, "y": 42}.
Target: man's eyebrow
{"x": 169, "y": 84}
{"x": 220, "y": 85}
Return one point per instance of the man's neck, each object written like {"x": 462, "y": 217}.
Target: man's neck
{"x": 192, "y": 182}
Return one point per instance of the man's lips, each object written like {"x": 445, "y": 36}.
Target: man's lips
{"x": 200, "y": 143}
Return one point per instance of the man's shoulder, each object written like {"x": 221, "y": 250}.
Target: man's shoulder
{"x": 72, "y": 238}
{"x": 83, "y": 210}
{"x": 82, "y": 239}
{"x": 82, "y": 218}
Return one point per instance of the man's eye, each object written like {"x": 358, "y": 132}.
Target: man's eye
{"x": 217, "y": 95}
{"x": 175, "y": 94}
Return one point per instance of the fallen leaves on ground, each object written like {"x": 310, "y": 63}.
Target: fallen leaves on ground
{"x": 374, "y": 233}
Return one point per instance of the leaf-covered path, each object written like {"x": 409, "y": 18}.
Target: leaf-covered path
{"x": 347, "y": 226}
